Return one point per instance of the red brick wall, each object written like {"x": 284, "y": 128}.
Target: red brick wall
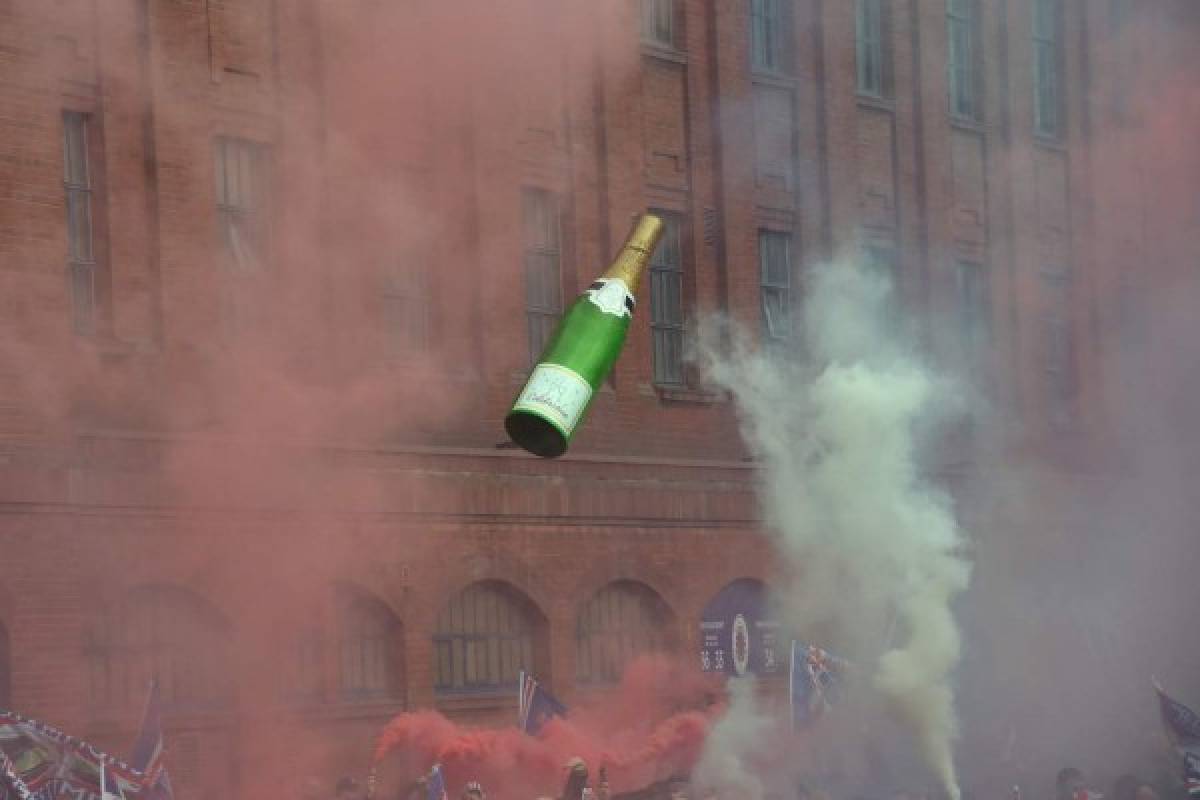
{"x": 258, "y": 469}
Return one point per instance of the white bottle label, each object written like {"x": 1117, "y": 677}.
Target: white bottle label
{"x": 557, "y": 393}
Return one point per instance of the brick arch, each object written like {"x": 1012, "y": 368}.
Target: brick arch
{"x": 485, "y": 634}
{"x": 164, "y": 631}
{"x": 622, "y": 620}
{"x": 498, "y": 567}
{"x": 658, "y": 581}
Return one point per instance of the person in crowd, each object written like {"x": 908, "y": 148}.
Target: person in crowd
{"x": 473, "y": 791}
{"x": 1069, "y": 785}
{"x": 577, "y": 779}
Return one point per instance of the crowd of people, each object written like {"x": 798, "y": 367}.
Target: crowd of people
{"x": 1070, "y": 784}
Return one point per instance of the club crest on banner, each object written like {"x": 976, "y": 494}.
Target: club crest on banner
{"x": 741, "y": 645}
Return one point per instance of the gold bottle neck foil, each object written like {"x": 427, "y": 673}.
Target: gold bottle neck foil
{"x": 635, "y": 254}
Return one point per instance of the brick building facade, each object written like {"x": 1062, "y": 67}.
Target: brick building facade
{"x": 271, "y": 272}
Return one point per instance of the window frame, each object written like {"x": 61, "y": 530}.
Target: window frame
{"x": 542, "y": 318}
{"x": 597, "y": 662}
{"x": 1048, "y": 70}
{"x": 973, "y": 292}
{"x": 874, "y": 43}
{"x": 768, "y": 37}
{"x": 653, "y": 13}
{"x": 471, "y": 643}
{"x": 965, "y": 70}
{"x": 356, "y": 612}
{"x": 81, "y": 159}
{"x": 664, "y": 330}
{"x": 768, "y": 286}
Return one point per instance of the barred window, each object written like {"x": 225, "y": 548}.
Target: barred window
{"x": 167, "y": 634}
{"x": 369, "y": 648}
{"x": 620, "y": 622}
{"x": 963, "y": 65}
{"x": 1047, "y": 68}
{"x": 304, "y": 675}
{"x": 5, "y": 669}
{"x": 485, "y": 637}
{"x": 873, "y": 78}
{"x": 775, "y": 276}
{"x": 81, "y": 247}
{"x": 543, "y": 267}
{"x": 766, "y": 35}
{"x": 667, "y": 303}
{"x": 658, "y": 22}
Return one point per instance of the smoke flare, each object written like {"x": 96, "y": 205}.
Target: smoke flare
{"x": 874, "y": 548}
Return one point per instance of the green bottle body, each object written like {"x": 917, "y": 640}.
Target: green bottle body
{"x": 577, "y": 359}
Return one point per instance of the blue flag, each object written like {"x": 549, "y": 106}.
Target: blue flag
{"x": 815, "y": 683}
{"x": 148, "y": 753}
{"x": 435, "y": 784}
{"x": 536, "y": 705}
{"x": 1183, "y": 729}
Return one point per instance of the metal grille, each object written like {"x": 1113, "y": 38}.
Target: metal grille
{"x": 77, "y": 180}
{"x": 484, "y": 639}
{"x": 621, "y": 621}
{"x": 667, "y": 303}
{"x": 543, "y": 269}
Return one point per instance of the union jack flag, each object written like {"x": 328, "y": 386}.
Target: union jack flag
{"x": 148, "y": 753}
{"x": 1183, "y": 729}
{"x": 815, "y": 682}
{"x": 435, "y": 784}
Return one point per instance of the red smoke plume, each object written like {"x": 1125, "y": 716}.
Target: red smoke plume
{"x": 652, "y": 727}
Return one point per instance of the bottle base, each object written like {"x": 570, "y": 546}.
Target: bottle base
{"x": 534, "y": 434}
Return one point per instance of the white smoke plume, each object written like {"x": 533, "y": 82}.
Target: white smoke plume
{"x": 741, "y": 731}
{"x": 873, "y": 545}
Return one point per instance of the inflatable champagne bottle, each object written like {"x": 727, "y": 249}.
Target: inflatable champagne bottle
{"x": 582, "y": 350}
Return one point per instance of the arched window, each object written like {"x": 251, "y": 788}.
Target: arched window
{"x": 5, "y": 669}
{"x": 369, "y": 648}
{"x": 486, "y": 635}
{"x": 620, "y": 622}
{"x": 167, "y": 634}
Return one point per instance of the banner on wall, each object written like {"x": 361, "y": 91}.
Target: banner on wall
{"x": 738, "y": 633}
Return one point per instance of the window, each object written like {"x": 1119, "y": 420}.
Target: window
{"x": 974, "y": 309}
{"x": 870, "y": 52}
{"x": 963, "y": 58}
{"x": 303, "y": 677}
{"x": 666, "y": 303}
{"x": 241, "y": 217}
{"x": 1059, "y": 347}
{"x": 766, "y": 35}
{"x": 1047, "y": 68}
{"x": 622, "y": 621}
{"x": 165, "y": 634}
{"x": 484, "y": 638}
{"x": 774, "y": 258}
{"x": 543, "y": 274}
{"x": 369, "y": 646}
{"x": 881, "y": 260}
{"x": 405, "y": 307}
{"x": 658, "y": 22}
{"x": 5, "y": 669}
{"x": 84, "y": 241}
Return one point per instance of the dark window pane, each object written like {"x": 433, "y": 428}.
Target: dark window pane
{"x": 79, "y": 224}
{"x": 658, "y": 22}
{"x": 75, "y": 160}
